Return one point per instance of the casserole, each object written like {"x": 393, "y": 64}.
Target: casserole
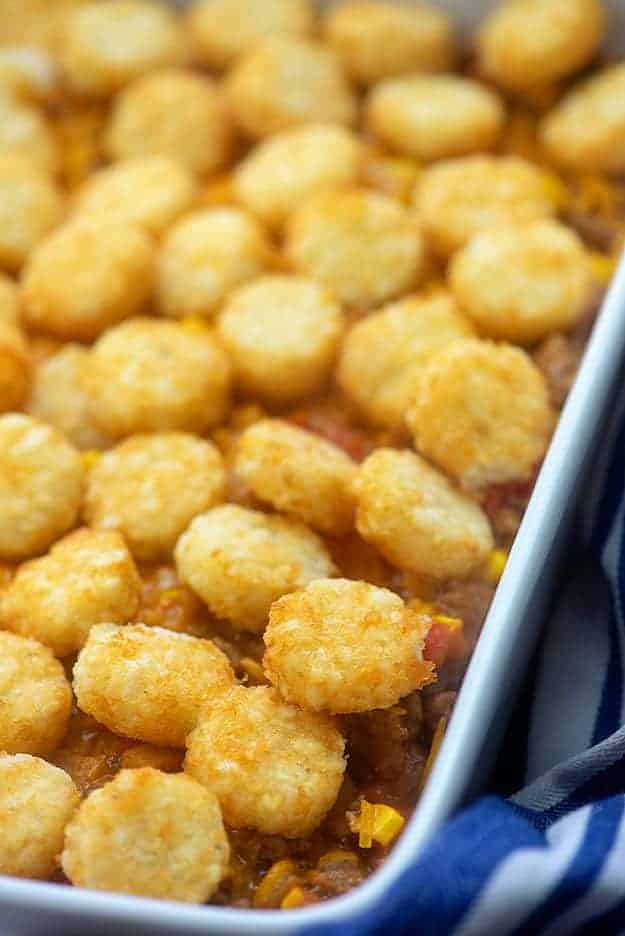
{"x": 508, "y": 635}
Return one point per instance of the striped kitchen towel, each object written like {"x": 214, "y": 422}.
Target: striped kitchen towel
{"x": 550, "y": 859}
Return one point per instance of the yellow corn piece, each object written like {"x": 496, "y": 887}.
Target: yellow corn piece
{"x": 557, "y": 191}
{"x": 337, "y": 856}
{"x": 437, "y": 740}
{"x": 194, "y": 323}
{"x": 295, "y": 898}
{"x": 387, "y": 825}
{"x": 452, "y": 624}
{"x": 275, "y": 884}
{"x": 363, "y": 824}
{"x": 602, "y": 266}
{"x": 254, "y": 671}
{"x": 90, "y": 458}
{"x": 495, "y": 564}
{"x": 420, "y": 606}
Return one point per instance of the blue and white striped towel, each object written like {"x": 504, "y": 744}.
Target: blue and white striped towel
{"x": 551, "y": 859}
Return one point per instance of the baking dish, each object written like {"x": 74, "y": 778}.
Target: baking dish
{"x": 479, "y": 717}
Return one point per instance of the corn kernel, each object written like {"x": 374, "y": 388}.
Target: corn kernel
{"x": 495, "y": 564}
{"x": 387, "y": 825}
{"x": 602, "y": 266}
{"x": 295, "y": 898}
{"x": 90, "y": 458}
{"x": 275, "y": 884}
{"x": 453, "y": 624}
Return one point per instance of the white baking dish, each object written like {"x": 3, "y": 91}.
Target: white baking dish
{"x": 498, "y": 664}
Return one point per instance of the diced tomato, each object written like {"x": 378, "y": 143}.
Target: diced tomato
{"x": 332, "y": 425}
{"x": 441, "y": 644}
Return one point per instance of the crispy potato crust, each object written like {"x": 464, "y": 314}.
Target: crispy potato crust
{"x": 171, "y": 112}
{"x": 301, "y": 325}
{"x": 299, "y": 474}
{"x": 435, "y": 116}
{"x": 151, "y": 834}
{"x": 30, "y": 207}
{"x": 153, "y": 376}
{"x": 343, "y": 646}
{"x": 521, "y": 284}
{"x": 87, "y": 578}
{"x": 417, "y": 520}
{"x": 527, "y": 44}
{"x": 86, "y": 276}
{"x": 205, "y": 256}
{"x": 285, "y": 81}
{"x": 272, "y": 766}
{"x": 383, "y": 355}
{"x": 482, "y": 413}
{"x": 586, "y": 130}
{"x": 361, "y": 244}
{"x": 458, "y": 198}
{"x": 240, "y": 560}
{"x": 41, "y": 486}
{"x": 224, "y": 29}
{"x": 148, "y": 683}
{"x": 379, "y": 40}
{"x": 151, "y": 191}
{"x": 35, "y": 697}
{"x": 37, "y": 801}
{"x": 151, "y": 486}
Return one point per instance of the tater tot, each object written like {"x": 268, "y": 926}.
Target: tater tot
{"x": 151, "y": 834}
{"x": 383, "y": 354}
{"x": 361, "y": 244}
{"x": 30, "y": 206}
{"x": 290, "y": 166}
{"x": 378, "y": 40}
{"x": 148, "y": 376}
{"x": 417, "y": 520}
{"x": 520, "y": 284}
{"x": 526, "y": 44}
{"x": 240, "y": 560}
{"x": 299, "y": 474}
{"x": 481, "y": 412}
{"x": 150, "y": 488}
{"x": 282, "y": 334}
{"x": 28, "y": 73}
{"x": 9, "y": 301}
{"x": 224, "y": 29}
{"x": 59, "y": 397}
{"x": 435, "y": 116}
{"x": 283, "y": 82}
{"x": 148, "y": 683}
{"x": 205, "y": 256}
{"x": 272, "y": 767}
{"x": 460, "y": 197}
{"x": 87, "y": 578}
{"x": 586, "y": 130}
{"x": 36, "y": 697}
{"x": 173, "y": 113}
{"x": 25, "y": 134}
{"x": 41, "y": 485}
{"x": 37, "y": 801}
{"x": 85, "y": 277}
{"x": 107, "y": 44}
{"x": 15, "y": 367}
{"x": 342, "y": 646}
{"x": 151, "y": 191}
